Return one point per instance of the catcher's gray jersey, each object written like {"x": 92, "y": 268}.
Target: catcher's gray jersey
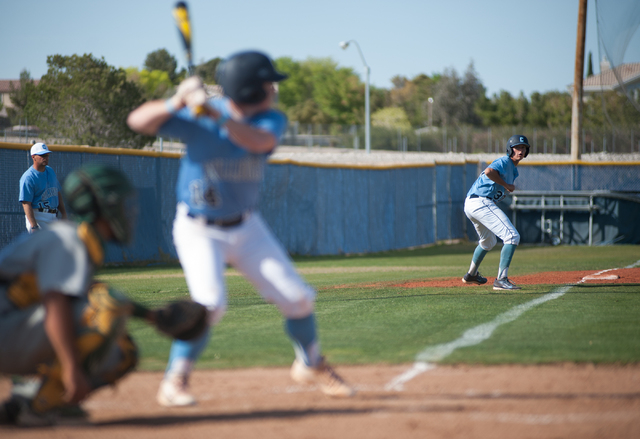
{"x": 53, "y": 259}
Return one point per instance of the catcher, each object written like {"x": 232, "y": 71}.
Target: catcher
{"x": 55, "y": 322}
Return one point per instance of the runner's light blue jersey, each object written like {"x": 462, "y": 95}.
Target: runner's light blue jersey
{"x": 485, "y": 187}
{"x": 41, "y": 189}
{"x": 217, "y": 178}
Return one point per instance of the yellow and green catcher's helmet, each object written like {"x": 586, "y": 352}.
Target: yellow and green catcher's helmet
{"x": 98, "y": 191}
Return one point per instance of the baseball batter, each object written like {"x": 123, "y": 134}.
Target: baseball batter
{"x": 488, "y": 219}
{"x": 40, "y": 191}
{"x": 216, "y": 220}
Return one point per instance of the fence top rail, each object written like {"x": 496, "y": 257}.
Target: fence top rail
{"x": 569, "y": 194}
{"x": 354, "y": 165}
{"x": 92, "y": 150}
{"x": 576, "y": 162}
{"x": 570, "y": 208}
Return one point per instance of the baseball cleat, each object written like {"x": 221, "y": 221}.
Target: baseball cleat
{"x": 173, "y": 392}
{"x": 504, "y": 284}
{"x": 477, "y": 279}
{"x": 323, "y": 375}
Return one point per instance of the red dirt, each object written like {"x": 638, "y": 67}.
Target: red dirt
{"x": 512, "y": 401}
{"x": 626, "y": 275}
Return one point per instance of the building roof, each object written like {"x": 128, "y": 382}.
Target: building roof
{"x": 5, "y": 84}
{"x": 607, "y": 79}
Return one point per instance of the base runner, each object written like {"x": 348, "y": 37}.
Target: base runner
{"x": 488, "y": 219}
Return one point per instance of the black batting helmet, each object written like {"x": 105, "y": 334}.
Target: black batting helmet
{"x": 243, "y": 74}
{"x": 516, "y": 140}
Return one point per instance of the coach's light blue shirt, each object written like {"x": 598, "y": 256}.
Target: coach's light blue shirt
{"x": 217, "y": 178}
{"x": 485, "y": 187}
{"x": 40, "y": 188}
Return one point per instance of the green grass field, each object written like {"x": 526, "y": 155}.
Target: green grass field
{"x": 368, "y": 321}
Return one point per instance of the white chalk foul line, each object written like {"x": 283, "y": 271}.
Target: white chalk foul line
{"x": 476, "y": 335}
{"x": 471, "y": 337}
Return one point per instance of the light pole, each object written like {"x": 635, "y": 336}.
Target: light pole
{"x": 367, "y": 118}
{"x": 430, "y": 112}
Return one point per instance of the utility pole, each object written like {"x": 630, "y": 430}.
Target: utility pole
{"x": 576, "y": 109}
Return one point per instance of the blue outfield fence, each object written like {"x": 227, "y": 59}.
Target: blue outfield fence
{"x": 313, "y": 210}
{"x": 319, "y": 210}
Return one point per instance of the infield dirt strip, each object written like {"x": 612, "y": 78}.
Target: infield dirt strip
{"x": 512, "y": 401}
{"x": 559, "y": 401}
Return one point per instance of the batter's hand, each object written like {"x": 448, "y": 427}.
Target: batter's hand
{"x": 191, "y": 93}
{"x": 510, "y": 187}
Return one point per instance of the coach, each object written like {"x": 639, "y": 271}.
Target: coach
{"x": 40, "y": 191}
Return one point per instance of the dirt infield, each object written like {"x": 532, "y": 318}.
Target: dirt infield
{"x": 559, "y": 401}
{"x": 513, "y": 401}
{"x": 615, "y": 276}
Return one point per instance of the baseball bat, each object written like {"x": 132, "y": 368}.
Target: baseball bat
{"x": 181, "y": 16}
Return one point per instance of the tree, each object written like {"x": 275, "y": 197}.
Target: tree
{"x": 522, "y": 109}
{"x": 207, "y": 70}
{"x": 487, "y": 111}
{"x": 537, "y": 116}
{"x": 391, "y": 117}
{"x": 456, "y": 99}
{"x": 154, "y": 85}
{"x": 317, "y": 91}
{"x": 589, "y": 66}
{"x": 20, "y": 97}
{"x": 503, "y": 110}
{"x": 413, "y": 96}
{"x": 557, "y": 108}
{"x": 610, "y": 109}
{"x": 506, "y": 109}
{"x": 162, "y": 60}
{"x": 85, "y": 101}
{"x": 549, "y": 110}
{"x": 446, "y": 99}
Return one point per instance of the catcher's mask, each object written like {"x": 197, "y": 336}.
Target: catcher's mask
{"x": 242, "y": 76}
{"x": 97, "y": 191}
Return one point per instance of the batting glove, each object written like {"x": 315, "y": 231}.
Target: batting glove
{"x": 192, "y": 93}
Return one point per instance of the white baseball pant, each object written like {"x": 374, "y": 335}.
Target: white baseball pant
{"x": 490, "y": 221}
{"x": 252, "y": 249}
{"x": 42, "y": 218}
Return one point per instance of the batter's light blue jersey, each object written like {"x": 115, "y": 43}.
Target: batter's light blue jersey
{"x": 485, "y": 187}
{"x": 217, "y": 178}
{"x": 41, "y": 189}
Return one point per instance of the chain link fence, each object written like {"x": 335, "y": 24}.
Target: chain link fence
{"x": 467, "y": 140}
{"x": 463, "y": 139}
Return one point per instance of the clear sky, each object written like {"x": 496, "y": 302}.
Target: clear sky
{"x": 515, "y": 45}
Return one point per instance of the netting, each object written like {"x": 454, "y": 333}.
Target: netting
{"x": 618, "y": 22}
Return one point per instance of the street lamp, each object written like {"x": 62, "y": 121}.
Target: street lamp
{"x": 430, "y": 112}
{"x": 367, "y": 118}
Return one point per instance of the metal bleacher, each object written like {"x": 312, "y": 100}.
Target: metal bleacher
{"x": 558, "y": 201}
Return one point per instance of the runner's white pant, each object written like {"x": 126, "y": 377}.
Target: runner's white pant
{"x": 251, "y": 248}
{"x": 490, "y": 221}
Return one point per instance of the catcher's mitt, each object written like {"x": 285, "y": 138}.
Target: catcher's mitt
{"x": 184, "y": 320}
